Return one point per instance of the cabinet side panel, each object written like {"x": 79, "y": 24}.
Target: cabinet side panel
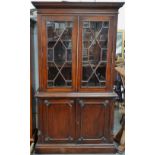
{"x": 115, "y": 18}
{"x": 39, "y": 17}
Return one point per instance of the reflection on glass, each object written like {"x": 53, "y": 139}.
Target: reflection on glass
{"x": 103, "y": 34}
{"x": 103, "y": 54}
{"x": 94, "y": 53}
{"x": 69, "y": 54}
{"x": 59, "y": 53}
{"x": 50, "y": 54}
{"x": 52, "y": 71}
{"x": 87, "y": 71}
{"x": 67, "y": 34}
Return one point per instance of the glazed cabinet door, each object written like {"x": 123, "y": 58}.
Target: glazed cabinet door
{"x": 57, "y": 121}
{"x": 95, "y": 53}
{"x": 94, "y": 119}
{"x": 58, "y": 53}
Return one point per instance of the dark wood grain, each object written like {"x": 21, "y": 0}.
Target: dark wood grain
{"x": 31, "y": 94}
{"x": 93, "y": 121}
{"x": 76, "y": 119}
{"x": 31, "y": 120}
{"x": 109, "y": 82}
{"x": 59, "y": 121}
{"x": 75, "y": 148}
{"x": 43, "y": 77}
{"x": 80, "y": 5}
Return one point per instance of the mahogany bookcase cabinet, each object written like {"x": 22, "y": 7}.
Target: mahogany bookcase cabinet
{"x": 77, "y": 42}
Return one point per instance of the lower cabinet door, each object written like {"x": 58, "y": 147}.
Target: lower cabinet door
{"x": 57, "y": 121}
{"x": 94, "y": 121}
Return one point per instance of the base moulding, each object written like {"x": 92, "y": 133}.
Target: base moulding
{"x": 75, "y": 148}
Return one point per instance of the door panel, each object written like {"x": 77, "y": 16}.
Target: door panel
{"x": 93, "y": 121}
{"x": 95, "y": 53}
{"x": 58, "y": 121}
{"x": 59, "y": 47}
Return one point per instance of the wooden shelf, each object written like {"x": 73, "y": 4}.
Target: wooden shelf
{"x": 75, "y": 95}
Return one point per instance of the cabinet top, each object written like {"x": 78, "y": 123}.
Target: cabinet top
{"x": 77, "y": 5}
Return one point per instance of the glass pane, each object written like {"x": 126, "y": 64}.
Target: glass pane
{"x": 67, "y": 44}
{"x": 94, "y": 53}
{"x": 51, "y": 44}
{"x": 67, "y": 34}
{"x": 52, "y": 71}
{"x": 85, "y": 54}
{"x": 100, "y": 72}
{"x": 59, "y": 53}
{"x": 59, "y": 81}
{"x": 50, "y": 55}
{"x": 69, "y": 54}
{"x": 87, "y": 71}
{"x": 87, "y": 35}
{"x": 86, "y": 24}
{"x": 106, "y": 24}
{"x": 86, "y": 44}
{"x": 66, "y": 71}
{"x": 103, "y": 44}
{"x": 94, "y": 81}
{"x": 95, "y": 28}
{"x": 103, "y": 35}
{"x": 103, "y": 54}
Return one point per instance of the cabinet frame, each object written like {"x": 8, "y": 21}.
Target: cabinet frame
{"x": 110, "y": 53}
{"x": 46, "y": 109}
{"x": 76, "y": 106}
{"x": 43, "y": 53}
{"x": 76, "y": 11}
{"x": 106, "y": 109}
{"x": 76, "y": 52}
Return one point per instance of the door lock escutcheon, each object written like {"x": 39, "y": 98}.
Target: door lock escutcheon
{"x": 81, "y": 103}
{"x": 105, "y": 103}
{"x": 47, "y": 103}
